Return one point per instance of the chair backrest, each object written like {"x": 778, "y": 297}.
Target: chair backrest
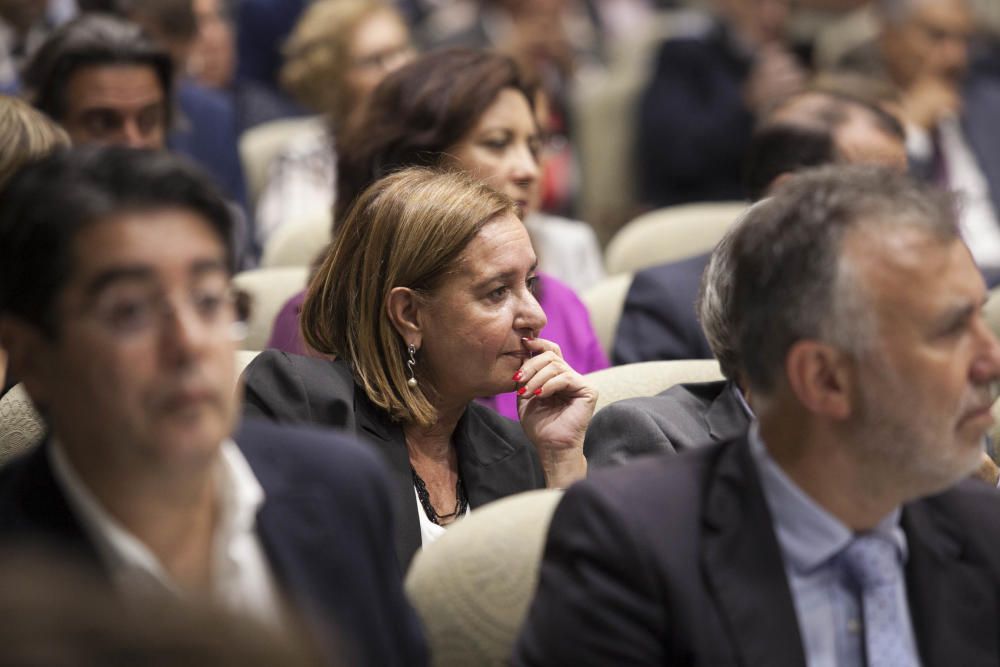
{"x": 261, "y": 144}
{"x": 21, "y": 426}
{"x": 473, "y": 585}
{"x": 649, "y": 378}
{"x": 269, "y": 289}
{"x": 605, "y": 302}
{"x": 297, "y": 242}
{"x": 670, "y": 234}
{"x": 243, "y": 359}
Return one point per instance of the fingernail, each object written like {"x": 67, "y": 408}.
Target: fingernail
{"x": 537, "y": 392}
{"x": 517, "y": 376}
{"x": 520, "y": 392}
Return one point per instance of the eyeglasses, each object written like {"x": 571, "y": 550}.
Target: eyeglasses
{"x": 133, "y": 313}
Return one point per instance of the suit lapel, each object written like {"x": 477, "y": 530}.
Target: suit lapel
{"x": 388, "y": 438}
{"x": 725, "y": 417}
{"x": 742, "y": 562}
{"x": 952, "y": 602}
{"x": 46, "y": 515}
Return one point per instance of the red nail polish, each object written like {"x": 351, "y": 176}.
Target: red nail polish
{"x": 517, "y": 376}
{"x": 537, "y": 392}
{"x": 520, "y": 392}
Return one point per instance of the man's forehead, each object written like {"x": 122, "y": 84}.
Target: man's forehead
{"x": 174, "y": 239}
{"x": 908, "y": 264}
{"x": 124, "y": 81}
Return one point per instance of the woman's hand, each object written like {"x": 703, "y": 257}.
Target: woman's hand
{"x": 555, "y": 405}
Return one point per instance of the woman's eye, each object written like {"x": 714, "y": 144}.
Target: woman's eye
{"x": 532, "y": 283}
{"x": 495, "y": 145}
{"x": 499, "y": 293}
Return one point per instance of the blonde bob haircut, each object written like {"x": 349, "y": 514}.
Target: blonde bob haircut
{"x": 28, "y": 135}
{"x": 407, "y": 230}
{"x": 318, "y": 54}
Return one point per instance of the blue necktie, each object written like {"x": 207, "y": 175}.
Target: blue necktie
{"x": 872, "y": 563}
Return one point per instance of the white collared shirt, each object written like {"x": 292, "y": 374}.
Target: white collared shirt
{"x": 241, "y": 576}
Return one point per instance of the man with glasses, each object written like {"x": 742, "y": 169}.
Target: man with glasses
{"x": 116, "y": 309}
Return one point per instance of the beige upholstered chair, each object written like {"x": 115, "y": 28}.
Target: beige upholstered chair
{"x": 670, "y": 234}
{"x": 297, "y": 242}
{"x": 269, "y": 289}
{"x": 605, "y": 302}
{"x": 243, "y": 359}
{"x": 261, "y": 144}
{"x": 473, "y": 585}
{"x": 650, "y": 378}
{"x": 21, "y": 426}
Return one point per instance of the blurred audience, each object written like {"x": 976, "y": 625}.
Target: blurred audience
{"x": 24, "y": 25}
{"x": 707, "y": 90}
{"x": 105, "y": 82}
{"x": 812, "y": 128}
{"x": 923, "y": 48}
{"x": 339, "y": 51}
{"x": 212, "y": 57}
{"x": 28, "y": 136}
{"x": 116, "y": 310}
{"x": 426, "y": 300}
{"x": 204, "y": 127}
{"x": 831, "y": 531}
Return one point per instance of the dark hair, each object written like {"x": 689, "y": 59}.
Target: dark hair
{"x": 418, "y": 112}
{"x": 789, "y": 282}
{"x": 781, "y": 149}
{"x": 48, "y": 203}
{"x": 782, "y": 145}
{"x": 88, "y": 41}
{"x": 174, "y": 19}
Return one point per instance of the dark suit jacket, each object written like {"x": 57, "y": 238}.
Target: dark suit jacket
{"x": 325, "y": 526}
{"x": 206, "y": 132}
{"x": 658, "y": 320}
{"x": 495, "y": 458}
{"x": 693, "y": 127}
{"x": 680, "y": 418}
{"x": 675, "y": 562}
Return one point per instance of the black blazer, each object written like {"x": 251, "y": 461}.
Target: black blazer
{"x": 495, "y": 457}
{"x": 675, "y": 562}
{"x": 325, "y": 527}
{"x": 682, "y": 417}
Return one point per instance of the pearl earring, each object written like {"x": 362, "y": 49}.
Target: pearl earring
{"x": 410, "y": 363}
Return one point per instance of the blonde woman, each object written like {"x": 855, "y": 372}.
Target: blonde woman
{"x": 426, "y": 300}
{"x": 338, "y": 53}
{"x": 27, "y": 136}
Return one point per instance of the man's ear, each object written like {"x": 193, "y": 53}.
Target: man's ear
{"x": 405, "y": 310}
{"x": 28, "y": 350}
{"x": 821, "y": 378}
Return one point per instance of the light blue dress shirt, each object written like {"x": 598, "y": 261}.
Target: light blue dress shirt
{"x": 811, "y": 540}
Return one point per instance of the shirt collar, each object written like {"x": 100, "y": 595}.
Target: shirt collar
{"x": 131, "y": 563}
{"x": 808, "y": 535}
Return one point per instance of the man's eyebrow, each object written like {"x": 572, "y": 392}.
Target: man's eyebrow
{"x": 145, "y": 274}
{"x": 120, "y": 274}
{"x": 957, "y": 314}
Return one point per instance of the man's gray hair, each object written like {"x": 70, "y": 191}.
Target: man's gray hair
{"x": 790, "y": 279}
{"x": 714, "y": 305}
